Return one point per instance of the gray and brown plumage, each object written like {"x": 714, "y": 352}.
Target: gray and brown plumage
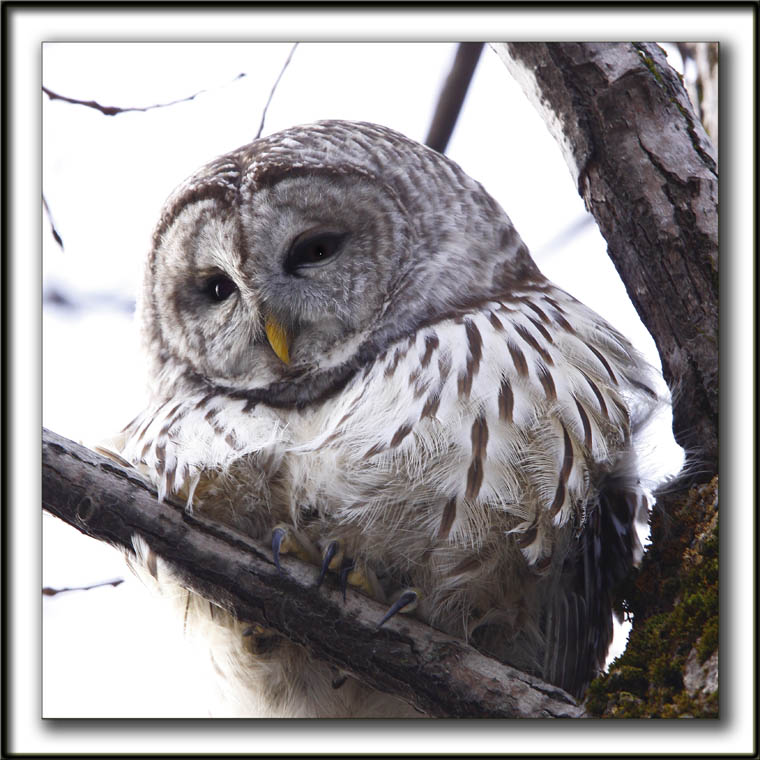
{"x": 350, "y": 347}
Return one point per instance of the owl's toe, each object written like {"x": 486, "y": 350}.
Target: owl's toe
{"x": 363, "y": 578}
{"x": 285, "y": 540}
{"x": 259, "y": 639}
{"x": 350, "y": 572}
{"x": 405, "y": 602}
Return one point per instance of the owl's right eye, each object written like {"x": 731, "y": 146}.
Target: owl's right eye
{"x": 312, "y": 249}
{"x": 219, "y": 288}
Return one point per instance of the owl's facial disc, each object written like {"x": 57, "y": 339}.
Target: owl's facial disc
{"x": 318, "y": 266}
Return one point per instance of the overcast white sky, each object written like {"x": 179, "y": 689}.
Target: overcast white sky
{"x": 105, "y": 179}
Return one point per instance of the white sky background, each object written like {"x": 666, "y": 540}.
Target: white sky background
{"x": 105, "y": 179}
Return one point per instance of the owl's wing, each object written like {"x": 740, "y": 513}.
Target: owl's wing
{"x": 528, "y": 407}
{"x": 511, "y": 407}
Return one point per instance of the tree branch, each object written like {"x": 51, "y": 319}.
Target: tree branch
{"x": 56, "y": 235}
{"x": 274, "y": 89}
{"x": 438, "y": 674}
{"x": 115, "y": 110}
{"x": 648, "y": 173}
{"x": 452, "y": 95}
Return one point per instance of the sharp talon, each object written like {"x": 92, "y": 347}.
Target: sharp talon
{"x": 327, "y": 557}
{"x": 278, "y": 534}
{"x": 339, "y": 681}
{"x": 409, "y": 597}
{"x": 346, "y": 567}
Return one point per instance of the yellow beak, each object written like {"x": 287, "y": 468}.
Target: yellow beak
{"x": 278, "y": 339}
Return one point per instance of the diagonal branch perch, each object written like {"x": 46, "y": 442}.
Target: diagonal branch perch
{"x": 438, "y": 674}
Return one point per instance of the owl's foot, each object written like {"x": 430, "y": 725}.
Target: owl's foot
{"x": 350, "y": 572}
{"x": 259, "y": 639}
{"x": 405, "y": 602}
{"x": 285, "y": 540}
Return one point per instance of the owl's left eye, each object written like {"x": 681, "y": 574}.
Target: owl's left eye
{"x": 312, "y": 249}
{"x": 219, "y": 288}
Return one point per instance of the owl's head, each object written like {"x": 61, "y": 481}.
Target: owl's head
{"x": 281, "y": 268}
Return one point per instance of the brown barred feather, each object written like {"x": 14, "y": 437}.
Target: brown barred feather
{"x": 506, "y": 401}
{"x": 519, "y": 359}
{"x": 447, "y": 518}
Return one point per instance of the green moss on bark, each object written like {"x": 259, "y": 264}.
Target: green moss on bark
{"x": 669, "y": 667}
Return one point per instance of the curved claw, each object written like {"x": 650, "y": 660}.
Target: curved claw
{"x": 327, "y": 558}
{"x": 278, "y": 534}
{"x": 346, "y": 567}
{"x": 339, "y": 680}
{"x": 407, "y": 598}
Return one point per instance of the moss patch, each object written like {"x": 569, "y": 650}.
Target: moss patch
{"x": 674, "y": 603}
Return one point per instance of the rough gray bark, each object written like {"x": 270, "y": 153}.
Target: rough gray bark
{"x": 648, "y": 173}
{"x": 437, "y": 674}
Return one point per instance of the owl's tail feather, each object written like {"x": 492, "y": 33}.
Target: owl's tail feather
{"x": 578, "y": 624}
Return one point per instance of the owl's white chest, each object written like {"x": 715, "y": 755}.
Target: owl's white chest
{"x": 472, "y": 424}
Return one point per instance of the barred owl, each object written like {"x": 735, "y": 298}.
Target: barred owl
{"x": 353, "y": 356}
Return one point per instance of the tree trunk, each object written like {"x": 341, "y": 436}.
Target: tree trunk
{"x": 648, "y": 173}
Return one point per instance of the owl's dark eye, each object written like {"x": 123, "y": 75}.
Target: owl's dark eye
{"x": 313, "y": 249}
{"x": 219, "y": 287}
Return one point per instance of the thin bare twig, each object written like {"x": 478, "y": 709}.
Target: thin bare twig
{"x": 114, "y": 110}
{"x": 56, "y": 236}
{"x": 566, "y": 236}
{"x": 50, "y": 591}
{"x": 274, "y": 87}
{"x": 64, "y": 297}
